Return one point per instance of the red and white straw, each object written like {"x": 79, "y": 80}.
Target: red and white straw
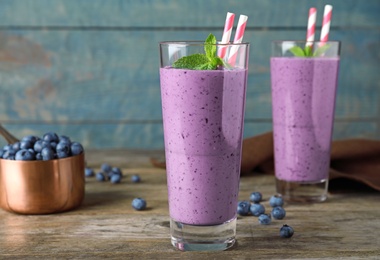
{"x": 238, "y": 38}
{"x": 310, "y": 34}
{"x": 326, "y": 23}
{"x": 226, "y": 33}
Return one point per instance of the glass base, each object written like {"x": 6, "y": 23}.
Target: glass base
{"x": 292, "y": 191}
{"x": 187, "y": 237}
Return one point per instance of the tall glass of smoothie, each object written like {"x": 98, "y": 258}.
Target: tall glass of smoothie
{"x": 203, "y": 113}
{"x": 304, "y": 78}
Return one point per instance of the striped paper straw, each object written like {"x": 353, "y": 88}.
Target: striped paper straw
{"x": 226, "y": 33}
{"x": 310, "y": 34}
{"x": 326, "y": 23}
{"x": 238, "y": 39}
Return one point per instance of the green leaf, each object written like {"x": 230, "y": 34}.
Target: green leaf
{"x": 193, "y": 61}
{"x": 210, "y": 46}
{"x": 297, "y": 51}
{"x": 308, "y": 51}
{"x": 321, "y": 50}
{"x": 200, "y": 61}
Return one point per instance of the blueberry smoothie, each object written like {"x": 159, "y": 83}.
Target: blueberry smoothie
{"x": 303, "y": 96}
{"x": 203, "y": 113}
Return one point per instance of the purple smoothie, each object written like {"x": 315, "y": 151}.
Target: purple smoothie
{"x": 203, "y": 113}
{"x": 303, "y": 96}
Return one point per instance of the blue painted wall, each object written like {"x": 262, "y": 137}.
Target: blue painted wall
{"x": 89, "y": 69}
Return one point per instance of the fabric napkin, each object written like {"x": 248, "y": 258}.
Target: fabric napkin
{"x": 354, "y": 159}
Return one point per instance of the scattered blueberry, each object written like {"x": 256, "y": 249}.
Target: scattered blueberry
{"x": 76, "y": 148}
{"x": 117, "y": 171}
{"x": 135, "y": 178}
{"x": 278, "y": 212}
{"x": 243, "y": 208}
{"x": 115, "y": 178}
{"x": 88, "y": 172}
{"x": 265, "y": 219}
{"x": 100, "y": 176}
{"x": 25, "y": 155}
{"x": 276, "y": 200}
{"x": 256, "y": 197}
{"x": 286, "y": 231}
{"x": 106, "y": 167}
{"x": 139, "y": 204}
{"x": 257, "y": 209}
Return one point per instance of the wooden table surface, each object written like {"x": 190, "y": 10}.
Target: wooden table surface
{"x": 346, "y": 226}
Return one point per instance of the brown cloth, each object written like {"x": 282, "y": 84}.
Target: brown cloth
{"x": 354, "y": 159}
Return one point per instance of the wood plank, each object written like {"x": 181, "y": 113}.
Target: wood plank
{"x": 182, "y": 14}
{"x": 106, "y": 76}
{"x": 106, "y": 226}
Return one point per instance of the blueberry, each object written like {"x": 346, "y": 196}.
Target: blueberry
{"x": 265, "y": 219}
{"x": 106, "y": 167}
{"x": 63, "y": 150}
{"x": 24, "y": 155}
{"x": 278, "y": 212}
{"x": 255, "y": 197}
{"x": 135, "y": 178}
{"x": 286, "y": 231}
{"x": 76, "y": 148}
{"x": 1, "y": 153}
{"x": 53, "y": 145}
{"x": 30, "y": 138}
{"x": 40, "y": 144}
{"x": 38, "y": 156}
{"x": 51, "y": 137}
{"x": 47, "y": 153}
{"x": 26, "y": 144}
{"x": 9, "y": 154}
{"x": 276, "y": 200}
{"x": 64, "y": 138}
{"x": 16, "y": 146}
{"x": 139, "y": 204}
{"x": 117, "y": 171}
{"x": 7, "y": 147}
{"x": 257, "y": 209}
{"x": 100, "y": 176}
{"x": 243, "y": 208}
{"x": 116, "y": 178}
{"x": 88, "y": 172}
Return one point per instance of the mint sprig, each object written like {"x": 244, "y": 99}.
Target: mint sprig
{"x": 199, "y": 61}
{"x": 308, "y": 51}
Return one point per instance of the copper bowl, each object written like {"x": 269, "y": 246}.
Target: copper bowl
{"x": 42, "y": 187}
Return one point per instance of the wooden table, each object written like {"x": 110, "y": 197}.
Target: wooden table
{"x": 347, "y": 225}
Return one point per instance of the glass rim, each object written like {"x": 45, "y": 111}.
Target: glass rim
{"x": 304, "y": 41}
{"x": 200, "y": 43}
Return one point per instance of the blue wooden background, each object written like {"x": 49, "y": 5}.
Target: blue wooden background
{"x": 89, "y": 69}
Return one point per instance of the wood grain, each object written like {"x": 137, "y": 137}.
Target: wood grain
{"x": 106, "y": 226}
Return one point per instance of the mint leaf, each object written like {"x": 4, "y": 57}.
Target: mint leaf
{"x": 210, "y": 46}
{"x": 308, "y": 51}
{"x": 297, "y": 51}
{"x": 200, "y": 61}
{"x": 321, "y": 50}
{"x": 193, "y": 61}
